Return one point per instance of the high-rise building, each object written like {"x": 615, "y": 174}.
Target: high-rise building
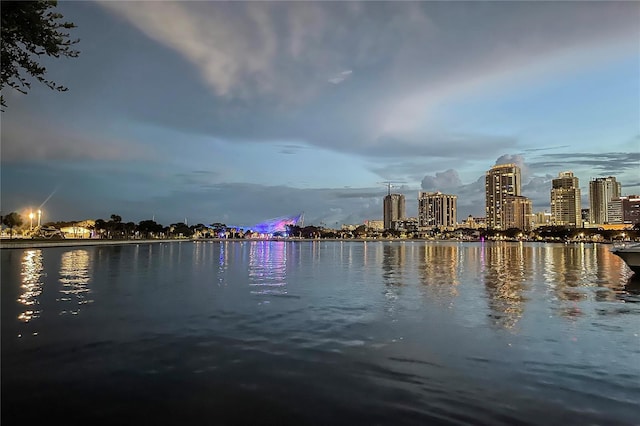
{"x": 501, "y": 181}
{"x": 436, "y": 209}
{"x": 631, "y": 209}
{"x": 601, "y": 192}
{"x": 393, "y": 209}
{"x": 565, "y": 201}
{"x": 517, "y": 213}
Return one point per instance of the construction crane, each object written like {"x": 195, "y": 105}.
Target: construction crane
{"x": 390, "y": 183}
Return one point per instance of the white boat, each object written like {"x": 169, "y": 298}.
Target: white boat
{"x": 631, "y": 255}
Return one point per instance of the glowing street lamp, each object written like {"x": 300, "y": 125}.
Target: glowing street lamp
{"x": 31, "y": 221}
{"x": 39, "y": 216}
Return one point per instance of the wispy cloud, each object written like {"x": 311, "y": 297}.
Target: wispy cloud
{"x": 340, "y": 77}
{"x": 608, "y": 163}
{"x": 291, "y": 149}
{"x": 549, "y": 148}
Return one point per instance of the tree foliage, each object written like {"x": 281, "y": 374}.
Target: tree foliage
{"x": 11, "y": 221}
{"x": 149, "y": 227}
{"x": 31, "y": 29}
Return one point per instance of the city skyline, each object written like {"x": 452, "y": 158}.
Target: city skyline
{"x": 242, "y": 111}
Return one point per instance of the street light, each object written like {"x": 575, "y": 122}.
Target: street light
{"x": 39, "y": 216}
{"x": 31, "y": 221}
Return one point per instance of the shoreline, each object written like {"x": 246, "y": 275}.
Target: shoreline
{"x": 28, "y": 244}
{"x": 22, "y": 244}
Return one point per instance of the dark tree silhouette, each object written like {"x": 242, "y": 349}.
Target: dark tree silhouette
{"x": 29, "y": 30}
{"x": 12, "y": 220}
{"x": 149, "y": 227}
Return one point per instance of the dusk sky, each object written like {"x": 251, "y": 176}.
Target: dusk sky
{"x": 240, "y": 112}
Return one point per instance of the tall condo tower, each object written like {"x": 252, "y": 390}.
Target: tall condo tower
{"x": 501, "y": 181}
{"x": 393, "y": 209}
{"x": 566, "y": 206}
{"x": 601, "y": 192}
{"x": 436, "y": 209}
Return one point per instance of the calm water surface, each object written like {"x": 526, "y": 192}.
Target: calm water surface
{"x": 320, "y": 333}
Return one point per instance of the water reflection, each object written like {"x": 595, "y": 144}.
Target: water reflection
{"x": 268, "y": 267}
{"x": 439, "y": 270}
{"x": 32, "y": 274}
{"x": 223, "y": 262}
{"x": 393, "y": 261}
{"x": 505, "y": 269}
{"x": 75, "y": 277}
{"x": 393, "y": 264}
{"x": 567, "y": 270}
{"x": 581, "y": 273}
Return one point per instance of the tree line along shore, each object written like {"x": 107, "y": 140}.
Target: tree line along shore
{"x": 16, "y": 228}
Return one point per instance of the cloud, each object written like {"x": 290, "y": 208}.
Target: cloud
{"x": 608, "y": 163}
{"x": 547, "y": 148}
{"x": 269, "y": 65}
{"x": 441, "y": 181}
{"x": 340, "y": 77}
{"x": 246, "y": 49}
{"x": 291, "y": 149}
{"x": 516, "y": 159}
{"x": 441, "y": 145}
{"x": 538, "y": 189}
{"x": 40, "y": 141}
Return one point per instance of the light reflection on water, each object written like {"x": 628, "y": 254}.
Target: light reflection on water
{"x": 439, "y": 270}
{"x": 75, "y": 277}
{"x": 506, "y": 271}
{"x": 268, "y": 267}
{"x": 456, "y": 329}
{"x": 32, "y": 281}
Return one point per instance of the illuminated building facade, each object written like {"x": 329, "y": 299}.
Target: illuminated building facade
{"x": 565, "y": 201}
{"x": 436, "y": 210}
{"x": 279, "y": 224}
{"x": 501, "y": 181}
{"x": 601, "y": 192}
{"x": 517, "y": 213}
{"x": 631, "y": 209}
{"x": 614, "y": 211}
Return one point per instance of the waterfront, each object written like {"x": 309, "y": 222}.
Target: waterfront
{"x": 320, "y": 332}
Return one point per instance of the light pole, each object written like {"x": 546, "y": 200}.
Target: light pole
{"x": 31, "y": 221}
{"x": 39, "y": 216}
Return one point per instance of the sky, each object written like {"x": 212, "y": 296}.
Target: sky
{"x": 237, "y": 112}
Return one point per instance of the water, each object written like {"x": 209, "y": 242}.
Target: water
{"x": 320, "y": 333}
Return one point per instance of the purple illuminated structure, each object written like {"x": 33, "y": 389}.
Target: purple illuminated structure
{"x": 278, "y": 224}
